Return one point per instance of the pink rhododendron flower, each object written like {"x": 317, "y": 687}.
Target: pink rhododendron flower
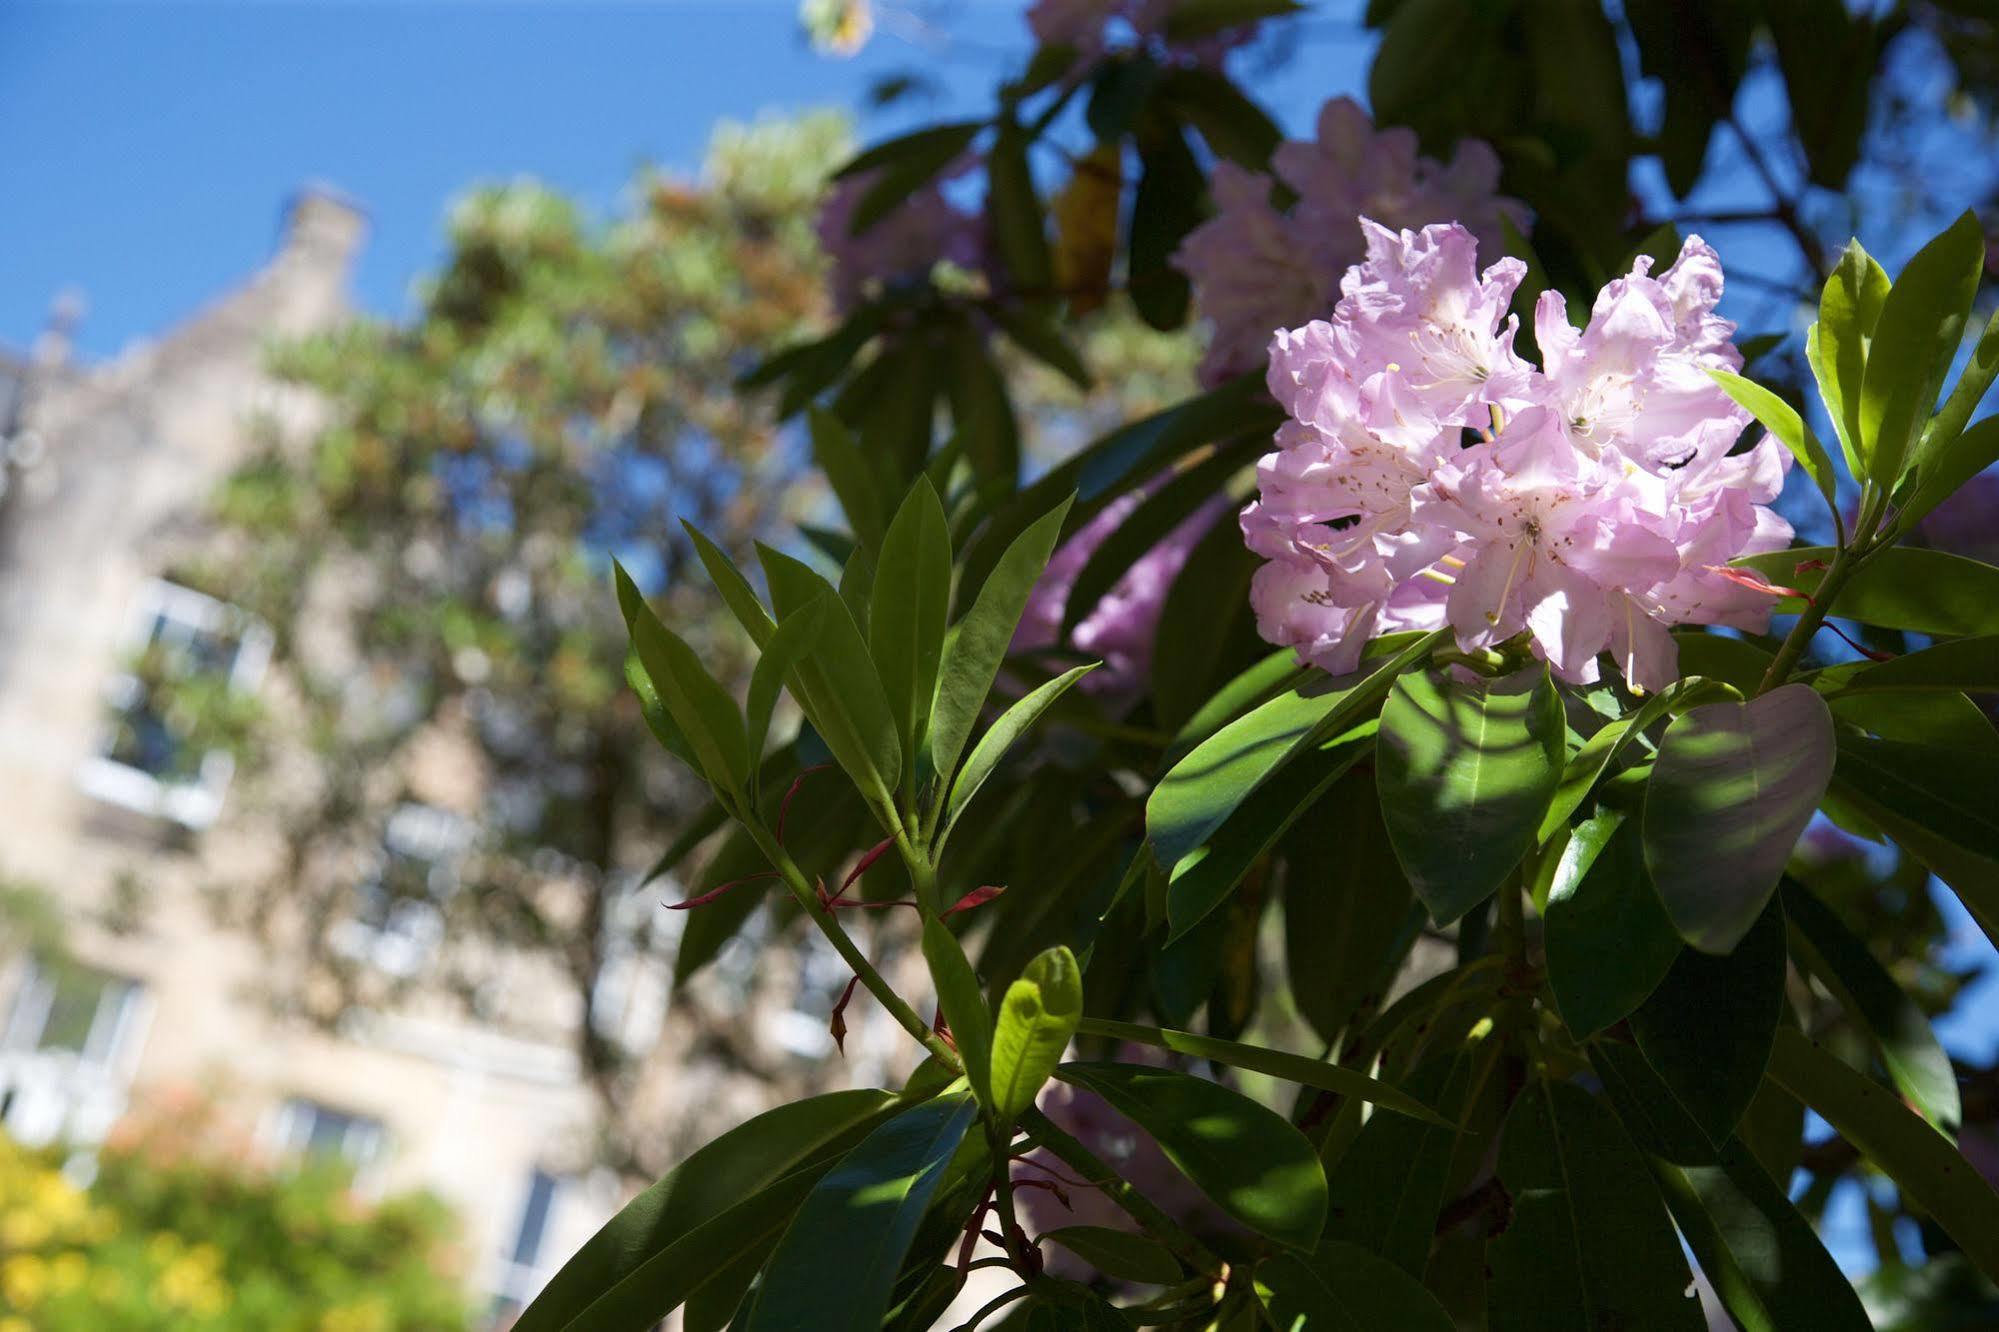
{"x": 903, "y": 245}
{"x": 1119, "y": 629}
{"x": 1430, "y": 477}
{"x": 1256, "y": 269}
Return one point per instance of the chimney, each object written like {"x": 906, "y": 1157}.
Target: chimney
{"x": 323, "y": 229}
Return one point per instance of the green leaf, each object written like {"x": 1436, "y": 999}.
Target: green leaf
{"x": 1037, "y": 1018}
{"x": 793, "y": 642}
{"x": 1120, "y": 1254}
{"x": 1921, "y": 1161}
{"x": 1155, "y": 518}
{"x": 1165, "y": 207}
{"x": 1609, "y": 942}
{"x": 1246, "y": 1158}
{"x": 1350, "y": 917}
{"x": 735, "y": 589}
{"x": 836, "y": 1266}
{"x": 1387, "y": 1188}
{"x": 1733, "y": 787}
{"x": 1763, "y": 1259}
{"x": 839, "y": 456}
{"x": 1466, "y": 772}
{"x": 1015, "y": 213}
{"x": 1968, "y": 664}
{"x": 1937, "y": 804}
{"x": 701, "y": 709}
{"x": 1706, "y": 1029}
{"x": 964, "y": 1004}
{"x": 1951, "y": 419}
{"x": 973, "y": 654}
{"x": 981, "y": 412}
{"x": 910, "y": 601}
{"x": 1192, "y": 19}
{"x": 1204, "y": 877}
{"x": 1589, "y": 1246}
{"x": 1015, "y": 722}
{"x": 938, "y": 144}
{"x": 1257, "y": 684}
{"x": 658, "y": 720}
{"x": 1233, "y": 126}
{"x": 1206, "y": 623}
{"x": 1600, "y": 751}
{"x": 1203, "y": 789}
{"x": 1275, "y": 1063}
{"x": 1034, "y": 333}
{"x": 1836, "y": 345}
{"x": 1732, "y": 661}
{"x": 1782, "y": 420}
{"x": 1921, "y": 324}
{"x": 1924, "y": 591}
{"x": 836, "y": 683}
{"x": 1909, "y": 1050}
{"x": 1951, "y": 464}
{"x": 1344, "y": 1288}
{"x": 667, "y": 1242}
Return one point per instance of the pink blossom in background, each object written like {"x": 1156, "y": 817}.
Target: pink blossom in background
{"x": 1430, "y": 477}
{"x": 1119, "y": 629}
{"x": 1257, "y": 269}
{"x": 901, "y": 246}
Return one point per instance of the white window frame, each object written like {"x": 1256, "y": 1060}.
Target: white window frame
{"x": 113, "y": 1025}
{"x": 517, "y": 1280}
{"x": 403, "y": 945}
{"x": 290, "y": 1128}
{"x": 54, "y": 1095}
{"x": 195, "y": 804}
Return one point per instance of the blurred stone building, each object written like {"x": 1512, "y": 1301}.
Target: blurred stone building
{"x": 105, "y": 472}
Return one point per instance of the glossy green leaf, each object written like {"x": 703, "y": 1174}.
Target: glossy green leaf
{"x": 1233, "y": 126}
{"x": 1924, "y": 717}
{"x": 1120, "y": 1254}
{"x": 1206, "y": 627}
{"x": 1925, "y": 591}
{"x": 1733, "y": 787}
{"x": 1937, "y": 804}
{"x": 701, "y": 709}
{"x": 978, "y": 644}
{"x": 1350, "y": 917}
{"x": 1344, "y": 1288}
{"x": 1165, "y": 207}
{"x": 964, "y": 1003}
{"x": 981, "y": 409}
{"x": 903, "y": 168}
{"x": 852, "y": 478}
{"x": 1001, "y": 736}
{"x": 1388, "y": 1186}
{"x": 1601, "y": 750}
{"x": 1949, "y": 423}
{"x": 1764, "y": 1260}
{"x": 1192, "y": 19}
{"x": 910, "y": 600}
{"x": 1590, "y": 1245}
{"x": 1706, "y": 1028}
{"x": 1782, "y": 420}
{"x": 1205, "y": 876}
{"x": 836, "y": 1266}
{"x": 1921, "y": 325}
{"x": 1836, "y": 346}
{"x": 1649, "y": 1110}
{"x": 1037, "y": 1018}
{"x": 1967, "y": 664}
{"x": 936, "y": 143}
{"x": 1257, "y": 684}
{"x": 1032, "y": 332}
{"x": 736, "y": 591}
{"x": 1194, "y": 799}
{"x": 658, "y": 720}
{"x": 1951, "y": 464}
{"x": 1609, "y": 942}
{"x": 792, "y": 643}
{"x": 1015, "y": 213}
{"x": 1732, "y": 661}
{"x": 671, "y": 1239}
{"x": 836, "y": 683}
{"x": 1466, "y": 773}
{"x": 1275, "y": 1063}
{"x": 1246, "y": 1158}
{"x": 1909, "y": 1050}
{"x": 1921, "y": 1161}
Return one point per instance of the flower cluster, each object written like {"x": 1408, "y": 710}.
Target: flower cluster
{"x": 1429, "y": 476}
{"x": 1085, "y": 26}
{"x": 1119, "y": 629}
{"x": 1256, "y": 268}
{"x": 901, "y": 246}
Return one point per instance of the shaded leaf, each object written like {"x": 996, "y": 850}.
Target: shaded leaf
{"x": 1609, "y": 942}
{"x": 964, "y": 1004}
{"x": 1344, "y": 1288}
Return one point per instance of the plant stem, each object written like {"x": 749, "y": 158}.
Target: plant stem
{"x": 836, "y": 934}
{"x": 1140, "y": 1208}
{"x": 1843, "y": 567}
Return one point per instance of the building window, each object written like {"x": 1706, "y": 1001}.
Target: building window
{"x": 63, "y": 1008}
{"x": 308, "y": 1131}
{"x": 190, "y": 662}
{"x": 398, "y": 917}
{"x": 521, "y": 1269}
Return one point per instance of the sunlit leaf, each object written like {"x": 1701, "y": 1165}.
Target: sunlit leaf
{"x": 1037, "y": 1018}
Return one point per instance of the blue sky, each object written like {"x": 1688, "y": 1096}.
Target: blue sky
{"x": 150, "y": 146}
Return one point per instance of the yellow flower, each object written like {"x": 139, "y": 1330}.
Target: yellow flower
{"x": 23, "y": 1279}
